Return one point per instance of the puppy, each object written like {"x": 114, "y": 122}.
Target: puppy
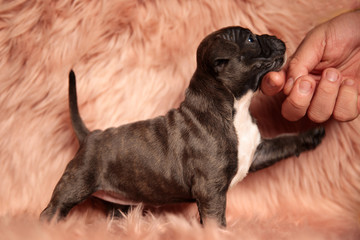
{"x": 192, "y": 154}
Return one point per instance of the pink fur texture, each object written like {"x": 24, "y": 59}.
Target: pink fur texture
{"x": 133, "y": 60}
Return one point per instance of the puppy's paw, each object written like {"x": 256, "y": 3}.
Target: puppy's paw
{"x": 312, "y": 138}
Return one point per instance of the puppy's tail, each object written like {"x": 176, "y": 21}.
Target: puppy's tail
{"x": 78, "y": 125}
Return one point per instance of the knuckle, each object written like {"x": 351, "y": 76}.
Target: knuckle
{"x": 297, "y": 104}
{"x": 344, "y": 114}
{"x": 292, "y": 110}
{"x": 346, "y": 104}
{"x": 290, "y": 116}
{"x": 328, "y": 90}
{"x": 321, "y": 107}
{"x": 341, "y": 117}
{"x": 319, "y": 116}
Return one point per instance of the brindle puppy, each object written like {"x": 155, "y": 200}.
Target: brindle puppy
{"x": 193, "y": 153}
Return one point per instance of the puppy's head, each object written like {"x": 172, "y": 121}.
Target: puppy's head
{"x": 239, "y": 59}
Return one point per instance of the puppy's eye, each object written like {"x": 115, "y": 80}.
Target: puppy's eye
{"x": 219, "y": 62}
{"x": 251, "y": 39}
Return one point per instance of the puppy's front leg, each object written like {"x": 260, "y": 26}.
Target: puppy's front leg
{"x": 213, "y": 208}
{"x": 271, "y": 151}
{"x": 210, "y": 196}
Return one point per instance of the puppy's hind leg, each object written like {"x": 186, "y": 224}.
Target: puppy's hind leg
{"x": 75, "y": 185}
{"x": 271, "y": 151}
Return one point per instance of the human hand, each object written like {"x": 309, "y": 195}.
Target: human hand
{"x": 323, "y": 76}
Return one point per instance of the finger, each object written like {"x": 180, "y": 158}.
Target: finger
{"x": 306, "y": 57}
{"x": 296, "y": 104}
{"x": 358, "y": 85}
{"x": 323, "y": 103}
{"x": 346, "y": 107}
{"x": 273, "y": 83}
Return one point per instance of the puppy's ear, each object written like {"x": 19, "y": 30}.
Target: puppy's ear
{"x": 219, "y": 64}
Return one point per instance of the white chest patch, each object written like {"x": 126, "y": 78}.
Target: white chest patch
{"x": 248, "y": 136}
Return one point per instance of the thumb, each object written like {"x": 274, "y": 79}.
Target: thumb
{"x": 306, "y": 57}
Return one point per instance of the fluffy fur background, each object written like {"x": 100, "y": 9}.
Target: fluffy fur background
{"x": 133, "y": 60}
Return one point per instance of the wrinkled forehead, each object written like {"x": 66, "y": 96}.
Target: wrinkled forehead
{"x": 233, "y": 34}
{"x": 224, "y": 41}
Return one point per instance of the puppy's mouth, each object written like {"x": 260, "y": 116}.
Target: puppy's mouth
{"x": 273, "y": 52}
{"x": 274, "y": 64}
{"x": 278, "y": 63}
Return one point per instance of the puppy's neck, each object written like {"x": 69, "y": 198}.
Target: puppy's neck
{"x": 209, "y": 98}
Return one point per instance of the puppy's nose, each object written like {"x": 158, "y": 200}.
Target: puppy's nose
{"x": 277, "y": 43}
{"x": 272, "y": 44}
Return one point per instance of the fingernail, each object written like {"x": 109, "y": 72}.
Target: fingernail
{"x": 332, "y": 76}
{"x": 304, "y": 87}
{"x": 289, "y": 84}
{"x": 349, "y": 82}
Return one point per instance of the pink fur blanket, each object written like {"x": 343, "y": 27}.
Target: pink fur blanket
{"x": 133, "y": 60}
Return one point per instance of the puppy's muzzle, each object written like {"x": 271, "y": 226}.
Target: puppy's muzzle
{"x": 271, "y": 46}
{"x": 274, "y": 50}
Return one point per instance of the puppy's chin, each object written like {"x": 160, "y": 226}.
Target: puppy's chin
{"x": 281, "y": 61}
{"x": 285, "y": 60}
{"x": 276, "y": 65}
